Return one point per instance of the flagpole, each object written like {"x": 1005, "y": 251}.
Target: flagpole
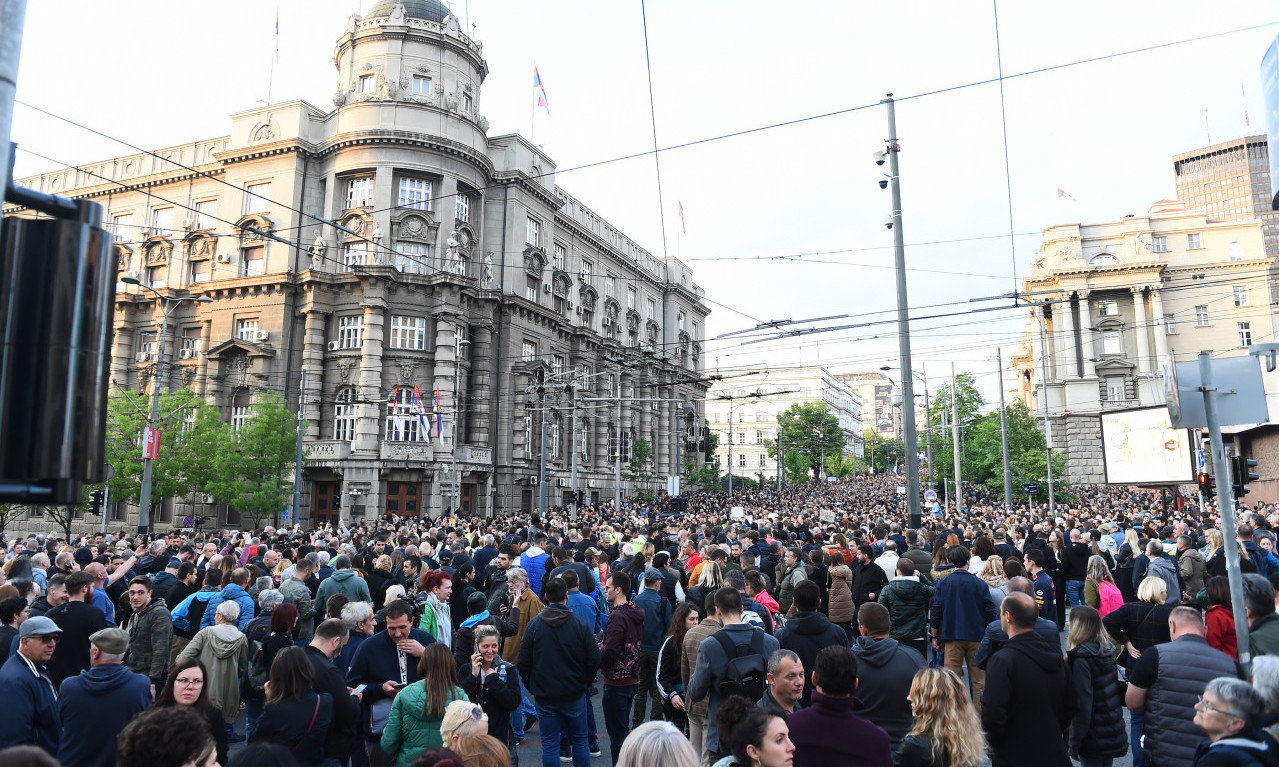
{"x": 270, "y": 79}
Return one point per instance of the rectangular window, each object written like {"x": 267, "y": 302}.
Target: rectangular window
{"x": 247, "y": 330}
{"x": 1245, "y": 334}
{"x": 468, "y": 104}
{"x": 741, "y": 460}
{"x": 1111, "y": 342}
{"x": 1160, "y": 243}
{"x": 1170, "y": 324}
{"x": 359, "y": 192}
{"x": 1115, "y": 388}
{"x": 257, "y": 198}
{"x": 354, "y": 255}
{"x": 1241, "y": 295}
{"x": 558, "y": 257}
{"x": 252, "y": 262}
{"x": 1201, "y": 315}
{"x": 533, "y": 232}
{"x": 759, "y": 435}
{"x": 631, "y": 297}
{"x": 147, "y": 345}
{"x": 463, "y": 211}
{"x": 367, "y": 83}
{"x": 1236, "y": 251}
{"x": 763, "y": 461}
{"x": 204, "y": 214}
{"x": 411, "y": 257}
{"x": 191, "y": 341}
{"x": 351, "y": 331}
{"x": 1193, "y": 241}
{"x": 199, "y": 272}
{"x": 528, "y": 352}
{"x": 557, "y": 364}
{"x": 1107, "y": 308}
{"x": 421, "y": 85}
{"x": 610, "y": 286}
{"x": 239, "y": 416}
{"x": 612, "y": 385}
{"x": 652, "y": 309}
{"x": 531, "y": 286}
{"x": 680, "y": 321}
{"x": 415, "y": 193}
{"x": 155, "y": 276}
{"x": 122, "y": 227}
{"x": 741, "y": 438}
{"x": 585, "y": 273}
{"x": 162, "y": 221}
{"x": 587, "y": 377}
{"x": 408, "y": 333}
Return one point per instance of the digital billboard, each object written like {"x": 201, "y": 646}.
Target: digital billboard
{"x": 1140, "y": 447}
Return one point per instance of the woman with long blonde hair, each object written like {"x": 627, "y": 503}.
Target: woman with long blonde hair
{"x": 947, "y": 731}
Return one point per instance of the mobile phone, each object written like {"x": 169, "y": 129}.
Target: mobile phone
{"x": 360, "y": 689}
{"x": 399, "y": 685}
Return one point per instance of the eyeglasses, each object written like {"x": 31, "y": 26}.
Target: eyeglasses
{"x": 1203, "y": 705}
{"x": 189, "y": 682}
{"x": 477, "y": 713}
{"x": 45, "y": 639}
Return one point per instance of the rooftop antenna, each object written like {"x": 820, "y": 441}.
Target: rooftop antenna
{"x": 1247, "y": 124}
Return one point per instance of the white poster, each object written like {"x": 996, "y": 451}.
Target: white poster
{"x": 1140, "y": 447}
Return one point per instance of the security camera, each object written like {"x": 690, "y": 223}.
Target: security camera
{"x": 880, "y": 157}
{"x": 883, "y": 182}
{"x": 888, "y": 222}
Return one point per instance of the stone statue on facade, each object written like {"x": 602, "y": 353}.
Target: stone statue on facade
{"x": 488, "y": 270}
{"x": 316, "y": 251}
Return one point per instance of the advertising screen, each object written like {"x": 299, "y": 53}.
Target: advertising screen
{"x": 1140, "y": 447}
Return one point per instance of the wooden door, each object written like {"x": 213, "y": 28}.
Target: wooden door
{"x": 326, "y": 502}
{"x": 402, "y": 498}
{"x": 466, "y": 500}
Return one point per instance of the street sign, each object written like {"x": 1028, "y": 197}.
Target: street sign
{"x": 901, "y": 489}
{"x": 1030, "y": 488}
{"x": 1241, "y": 397}
{"x": 931, "y": 496}
{"x": 188, "y": 521}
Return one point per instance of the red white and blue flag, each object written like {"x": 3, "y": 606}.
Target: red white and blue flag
{"x": 1063, "y": 193}
{"x": 421, "y": 411}
{"x": 682, "y": 223}
{"x": 540, "y": 91}
{"x": 439, "y": 421}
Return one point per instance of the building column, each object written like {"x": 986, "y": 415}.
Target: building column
{"x": 664, "y": 452}
{"x": 368, "y": 424}
{"x": 1161, "y": 330}
{"x": 201, "y": 385}
{"x": 1085, "y": 329}
{"x": 442, "y": 373}
{"x": 481, "y": 385}
{"x": 1065, "y": 338}
{"x": 1142, "y": 326}
{"x": 313, "y": 346}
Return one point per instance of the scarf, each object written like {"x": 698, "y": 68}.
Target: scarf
{"x": 443, "y": 622}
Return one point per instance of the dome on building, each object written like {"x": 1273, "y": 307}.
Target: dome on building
{"x": 431, "y": 10}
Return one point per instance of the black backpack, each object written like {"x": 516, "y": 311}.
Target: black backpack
{"x": 747, "y": 668}
{"x": 256, "y": 678}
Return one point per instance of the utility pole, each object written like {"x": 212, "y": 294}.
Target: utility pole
{"x": 928, "y": 422}
{"x": 903, "y": 321}
{"x": 1043, "y": 395}
{"x": 781, "y": 459}
{"x": 572, "y": 393}
{"x": 1003, "y": 432}
{"x": 297, "y": 464}
{"x": 541, "y": 477}
{"x": 954, "y": 431}
{"x": 458, "y": 343}
{"x": 617, "y": 454}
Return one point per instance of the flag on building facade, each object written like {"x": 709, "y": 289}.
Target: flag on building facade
{"x": 439, "y": 421}
{"x": 421, "y": 412}
{"x": 540, "y": 91}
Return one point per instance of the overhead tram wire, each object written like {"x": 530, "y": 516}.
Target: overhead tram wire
{"x": 1008, "y": 172}
{"x": 652, "y": 113}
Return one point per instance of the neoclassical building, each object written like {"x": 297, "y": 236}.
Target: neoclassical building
{"x": 457, "y": 279}
{"x": 1111, "y": 301}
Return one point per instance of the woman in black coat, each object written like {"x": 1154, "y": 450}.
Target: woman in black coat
{"x": 493, "y": 684}
{"x": 295, "y": 716}
{"x": 1097, "y": 731}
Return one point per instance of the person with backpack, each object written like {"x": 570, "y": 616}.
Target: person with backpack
{"x": 620, "y": 658}
{"x": 1100, "y": 591}
{"x": 732, "y": 661}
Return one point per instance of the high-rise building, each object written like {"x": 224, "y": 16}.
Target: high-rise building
{"x": 459, "y": 279}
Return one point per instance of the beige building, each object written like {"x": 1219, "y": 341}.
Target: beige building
{"x": 743, "y": 411}
{"x": 1124, "y": 295}
{"x": 390, "y": 249}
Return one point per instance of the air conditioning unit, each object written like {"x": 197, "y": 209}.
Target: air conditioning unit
{"x": 532, "y": 480}
{"x": 264, "y": 335}
{"x": 582, "y": 276}
{"x": 562, "y": 482}
{"x": 333, "y": 346}
{"x": 546, "y": 287}
{"x": 207, "y": 498}
{"x": 142, "y": 357}
{"x": 570, "y": 306}
{"x": 579, "y": 310}
{"x": 186, "y": 354}
{"x": 224, "y": 258}
{"x": 606, "y": 322}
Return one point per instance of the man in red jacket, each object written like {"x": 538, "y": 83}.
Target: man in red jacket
{"x": 821, "y": 733}
{"x": 620, "y": 659}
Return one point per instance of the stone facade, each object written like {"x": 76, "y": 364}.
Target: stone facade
{"x": 395, "y": 253}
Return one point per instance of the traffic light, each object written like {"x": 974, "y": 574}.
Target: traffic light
{"x": 1206, "y": 484}
{"x": 1241, "y": 474}
{"x": 95, "y": 501}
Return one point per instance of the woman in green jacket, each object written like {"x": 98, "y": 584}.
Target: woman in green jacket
{"x": 418, "y": 710}
{"x": 437, "y": 585}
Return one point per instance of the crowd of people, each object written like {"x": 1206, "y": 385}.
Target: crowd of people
{"x": 806, "y": 625}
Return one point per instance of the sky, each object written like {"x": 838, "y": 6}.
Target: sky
{"x": 800, "y": 88}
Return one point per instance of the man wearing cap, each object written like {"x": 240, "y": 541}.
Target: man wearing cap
{"x": 657, "y": 619}
{"x": 166, "y": 579}
{"x": 30, "y": 704}
{"x": 101, "y": 701}
{"x": 150, "y": 630}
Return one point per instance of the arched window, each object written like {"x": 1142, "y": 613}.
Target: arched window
{"x": 241, "y": 408}
{"x": 344, "y": 415}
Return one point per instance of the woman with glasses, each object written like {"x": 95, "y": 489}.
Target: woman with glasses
{"x": 295, "y": 716}
{"x": 418, "y": 709}
{"x": 1230, "y": 711}
{"x": 462, "y": 719}
{"x": 186, "y": 689}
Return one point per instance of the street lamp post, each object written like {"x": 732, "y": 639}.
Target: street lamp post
{"x": 457, "y": 411}
{"x": 153, "y": 419}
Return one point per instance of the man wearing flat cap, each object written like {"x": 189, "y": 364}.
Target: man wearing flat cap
{"x": 31, "y": 707}
{"x": 100, "y": 701}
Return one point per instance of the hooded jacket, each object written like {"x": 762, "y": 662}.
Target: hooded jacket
{"x": 1029, "y": 702}
{"x": 150, "y": 637}
{"x": 840, "y": 601}
{"x": 805, "y": 634}
{"x": 1164, "y": 569}
{"x": 711, "y": 665}
{"x": 533, "y": 560}
{"x": 100, "y": 702}
{"x": 623, "y": 638}
{"x": 1243, "y": 750}
{"x": 885, "y": 670}
{"x": 236, "y": 594}
{"x": 343, "y": 582}
{"x": 786, "y": 587}
{"x": 1097, "y": 729}
{"x": 565, "y": 654}
{"x": 1190, "y": 563}
{"x": 907, "y": 602}
{"x": 225, "y": 653}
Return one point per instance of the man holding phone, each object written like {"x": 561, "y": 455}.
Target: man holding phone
{"x": 386, "y": 662}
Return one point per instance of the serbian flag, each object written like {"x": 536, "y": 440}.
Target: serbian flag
{"x": 540, "y": 91}
{"x": 1063, "y": 193}
{"x": 393, "y": 415}
{"x": 439, "y": 421}
{"x": 421, "y": 412}
{"x": 682, "y": 223}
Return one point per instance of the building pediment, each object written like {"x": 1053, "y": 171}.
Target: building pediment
{"x": 1114, "y": 366}
{"x": 236, "y": 346}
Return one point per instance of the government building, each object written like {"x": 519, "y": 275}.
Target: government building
{"x": 460, "y": 299}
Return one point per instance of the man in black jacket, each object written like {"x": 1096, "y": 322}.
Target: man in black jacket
{"x": 558, "y": 661}
{"x": 1030, "y": 697}
{"x": 885, "y": 670}
{"x": 868, "y": 578}
{"x": 77, "y": 620}
{"x": 329, "y": 639}
{"x": 808, "y": 631}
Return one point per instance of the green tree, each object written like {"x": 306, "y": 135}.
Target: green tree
{"x": 984, "y": 464}
{"x": 706, "y": 477}
{"x": 126, "y": 420}
{"x": 841, "y": 465}
{"x": 882, "y": 453}
{"x": 253, "y": 465}
{"x": 970, "y": 403}
{"x": 809, "y": 430}
{"x": 8, "y": 513}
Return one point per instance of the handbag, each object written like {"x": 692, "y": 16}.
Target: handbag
{"x": 314, "y": 714}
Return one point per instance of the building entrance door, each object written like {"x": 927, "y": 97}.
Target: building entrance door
{"x": 466, "y": 499}
{"x": 326, "y": 502}
{"x": 402, "y": 499}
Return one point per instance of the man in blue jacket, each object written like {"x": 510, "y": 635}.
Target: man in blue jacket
{"x": 101, "y": 701}
{"x": 385, "y": 663}
{"x": 234, "y": 591}
{"x": 657, "y": 619}
{"x": 961, "y": 609}
{"x": 31, "y": 706}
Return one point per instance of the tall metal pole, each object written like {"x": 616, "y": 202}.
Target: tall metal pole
{"x": 730, "y": 445}
{"x": 617, "y": 453}
{"x": 1043, "y": 393}
{"x": 1003, "y": 432}
{"x": 541, "y": 477}
{"x": 954, "y": 433}
{"x": 781, "y": 462}
{"x": 572, "y": 509}
{"x": 297, "y": 465}
{"x": 903, "y": 322}
{"x": 13, "y": 14}
{"x": 1225, "y": 499}
{"x": 106, "y": 504}
{"x": 928, "y": 422}
{"x": 153, "y": 422}
{"x": 457, "y": 413}
{"x": 679, "y": 437}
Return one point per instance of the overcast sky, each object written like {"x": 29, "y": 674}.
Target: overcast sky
{"x": 158, "y": 74}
